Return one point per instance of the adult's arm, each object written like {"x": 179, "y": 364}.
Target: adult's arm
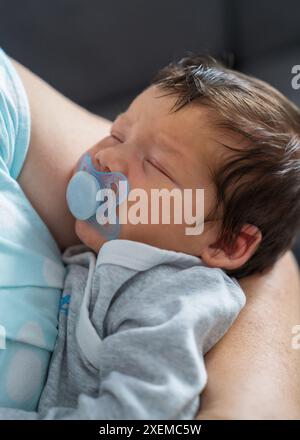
{"x": 252, "y": 371}
{"x": 61, "y": 131}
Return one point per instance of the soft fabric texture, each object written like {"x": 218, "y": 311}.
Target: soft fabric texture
{"x": 32, "y": 272}
{"x": 135, "y": 322}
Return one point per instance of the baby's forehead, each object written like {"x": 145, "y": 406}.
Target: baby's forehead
{"x": 197, "y": 122}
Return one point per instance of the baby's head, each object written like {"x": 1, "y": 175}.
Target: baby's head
{"x": 201, "y": 125}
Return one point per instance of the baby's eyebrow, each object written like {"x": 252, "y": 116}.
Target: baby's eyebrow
{"x": 123, "y": 116}
{"x": 122, "y": 121}
{"x": 168, "y": 145}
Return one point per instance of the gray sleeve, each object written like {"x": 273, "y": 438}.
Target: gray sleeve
{"x": 152, "y": 361}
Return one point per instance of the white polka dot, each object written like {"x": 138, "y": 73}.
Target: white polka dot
{"x": 31, "y": 333}
{"x": 24, "y": 376}
{"x": 53, "y": 273}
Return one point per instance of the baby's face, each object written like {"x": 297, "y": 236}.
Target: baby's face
{"x": 156, "y": 149}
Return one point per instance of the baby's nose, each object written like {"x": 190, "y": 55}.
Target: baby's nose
{"x": 102, "y": 160}
{"x": 109, "y": 160}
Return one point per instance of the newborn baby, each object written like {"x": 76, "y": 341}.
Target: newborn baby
{"x": 139, "y": 312}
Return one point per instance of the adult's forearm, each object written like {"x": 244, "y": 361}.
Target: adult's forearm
{"x": 253, "y": 372}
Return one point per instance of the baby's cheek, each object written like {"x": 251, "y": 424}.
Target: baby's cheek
{"x": 89, "y": 235}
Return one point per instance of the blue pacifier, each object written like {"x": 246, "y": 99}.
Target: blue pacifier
{"x": 85, "y": 201}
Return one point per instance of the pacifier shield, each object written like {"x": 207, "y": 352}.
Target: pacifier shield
{"x": 81, "y": 195}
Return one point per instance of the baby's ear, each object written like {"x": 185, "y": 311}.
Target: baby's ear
{"x": 246, "y": 243}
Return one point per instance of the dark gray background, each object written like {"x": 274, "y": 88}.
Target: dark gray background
{"x": 101, "y": 54}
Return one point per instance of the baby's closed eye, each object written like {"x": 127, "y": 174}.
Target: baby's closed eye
{"x": 158, "y": 166}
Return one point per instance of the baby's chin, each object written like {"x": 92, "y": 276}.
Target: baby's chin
{"x": 89, "y": 235}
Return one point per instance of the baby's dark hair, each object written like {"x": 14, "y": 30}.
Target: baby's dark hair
{"x": 259, "y": 184}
